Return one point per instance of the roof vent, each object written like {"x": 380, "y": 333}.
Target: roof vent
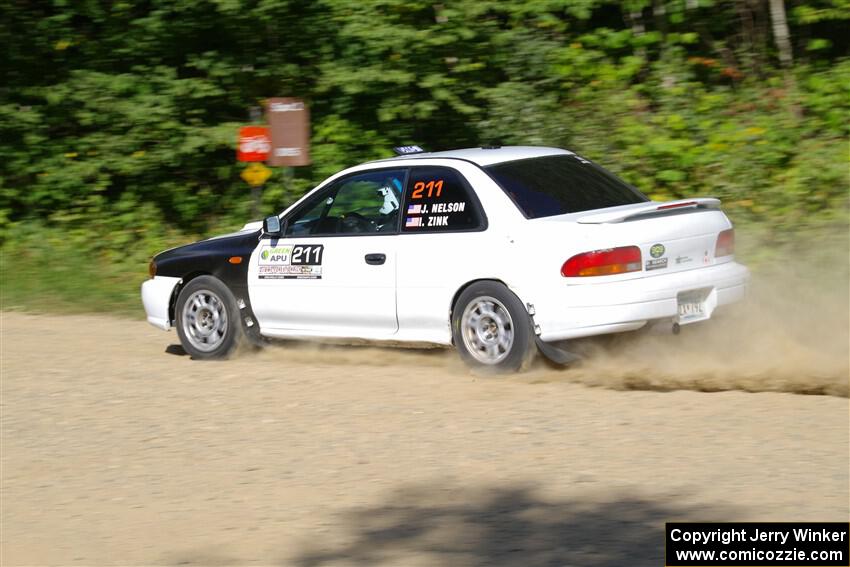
{"x": 490, "y": 147}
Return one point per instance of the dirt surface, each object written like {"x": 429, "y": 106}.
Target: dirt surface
{"x": 118, "y": 450}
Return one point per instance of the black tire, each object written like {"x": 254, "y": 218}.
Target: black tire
{"x": 492, "y": 330}
{"x": 209, "y": 326}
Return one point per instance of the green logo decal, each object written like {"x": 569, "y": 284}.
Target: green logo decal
{"x": 657, "y": 250}
{"x": 276, "y": 253}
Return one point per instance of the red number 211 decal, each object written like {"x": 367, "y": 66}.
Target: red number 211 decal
{"x": 434, "y": 189}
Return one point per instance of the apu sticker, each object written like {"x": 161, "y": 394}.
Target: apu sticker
{"x": 301, "y": 262}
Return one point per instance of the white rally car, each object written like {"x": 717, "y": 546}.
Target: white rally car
{"x": 499, "y": 251}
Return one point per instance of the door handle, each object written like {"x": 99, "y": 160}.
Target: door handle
{"x": 375, "y": 259}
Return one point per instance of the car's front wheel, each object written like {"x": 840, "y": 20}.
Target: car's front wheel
{"x": 207, "y": 319}
{"x": 491, "y": 329}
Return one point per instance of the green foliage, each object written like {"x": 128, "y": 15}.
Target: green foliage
{"x": 118, "y": 120}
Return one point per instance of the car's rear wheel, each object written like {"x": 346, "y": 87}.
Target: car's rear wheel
{"x": 491, "y": 329}
{"x": 208, "y": 319}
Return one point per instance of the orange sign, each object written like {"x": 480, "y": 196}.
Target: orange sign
{"x": 289, "y": 121}
{"x": 254, "y": 143}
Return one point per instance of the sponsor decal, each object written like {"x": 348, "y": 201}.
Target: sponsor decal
{"x": 271, "y": 255}
{"x": 656, "y": 250}
{"x": 656, "y": 264}
{"x": 290, "y": 272}
{"x": 291, "y": 262}
{"x": 683, "y": 259}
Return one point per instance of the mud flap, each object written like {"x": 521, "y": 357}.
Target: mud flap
{"x": 556, "y": 354}
{"x": 249, "y": 324}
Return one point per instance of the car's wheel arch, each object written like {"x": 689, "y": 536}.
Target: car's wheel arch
{"x": 184, "y": 280}
{"x": 465, "y": 286}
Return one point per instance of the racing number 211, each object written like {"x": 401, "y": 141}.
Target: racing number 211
{"x": 310, "y": 255}
{"x": 434, "y": 189}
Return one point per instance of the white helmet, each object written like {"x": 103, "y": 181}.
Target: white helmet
{"x": 390, "y": 200}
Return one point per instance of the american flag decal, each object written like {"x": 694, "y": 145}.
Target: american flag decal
{"x": 414, "y": 209}
{"x": 413, "y": 221}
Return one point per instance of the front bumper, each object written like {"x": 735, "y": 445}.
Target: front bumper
{"x": 581, "y": 310}
{"x": 156, "y": 297}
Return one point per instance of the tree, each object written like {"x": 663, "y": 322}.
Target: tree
{"x": 780, "y": 32}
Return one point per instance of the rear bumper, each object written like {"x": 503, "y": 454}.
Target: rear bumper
{"x": 156, "y": 297}
{"x": 582, "y": 310}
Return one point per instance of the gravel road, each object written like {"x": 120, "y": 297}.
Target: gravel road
{"x": 118, "y": 450}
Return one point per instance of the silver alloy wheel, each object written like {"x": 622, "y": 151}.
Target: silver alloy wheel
{"x": 204, "y": 320}
{"x": 487, "y": 330}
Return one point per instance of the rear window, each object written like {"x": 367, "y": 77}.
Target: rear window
{"x": 561, "y": 184}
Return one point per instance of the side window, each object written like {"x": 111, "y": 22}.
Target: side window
{"x": 359, "y": 204}
{"x": 438, "y": 199}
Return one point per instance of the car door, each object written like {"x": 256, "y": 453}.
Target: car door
{"x": 443, "y": 244}
{"x": 333, "y": 271}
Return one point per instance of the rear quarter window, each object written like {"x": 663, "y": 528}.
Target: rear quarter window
{"x": 438, "y": 199}
{"x": 561, "y": 184}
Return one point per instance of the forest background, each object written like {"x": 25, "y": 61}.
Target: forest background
{"x": 118, "y": 120}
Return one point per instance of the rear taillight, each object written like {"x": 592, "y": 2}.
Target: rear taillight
{"x": 725, "y": 243}
{"x": 603, "y": 262}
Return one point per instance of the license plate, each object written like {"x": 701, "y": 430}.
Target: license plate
{"x": 692, "y": 307}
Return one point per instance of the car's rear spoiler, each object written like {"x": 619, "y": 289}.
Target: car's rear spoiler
{"x": 651, "y": 209}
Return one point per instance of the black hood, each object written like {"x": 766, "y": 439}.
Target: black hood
{"x": 211, "y": 256}
{"x": 216, "y": 245}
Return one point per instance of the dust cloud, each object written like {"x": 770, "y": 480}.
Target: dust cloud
{"x": 791, "y": 334}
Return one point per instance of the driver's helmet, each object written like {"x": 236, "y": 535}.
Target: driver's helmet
{"x": 388, "y": 191}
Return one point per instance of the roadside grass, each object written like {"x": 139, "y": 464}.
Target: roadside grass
{"x": 43, "y": 283}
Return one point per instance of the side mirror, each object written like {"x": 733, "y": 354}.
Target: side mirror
{"x": 271, "y": 226}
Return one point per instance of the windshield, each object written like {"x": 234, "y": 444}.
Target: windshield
{"x": 561, "y": 184}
